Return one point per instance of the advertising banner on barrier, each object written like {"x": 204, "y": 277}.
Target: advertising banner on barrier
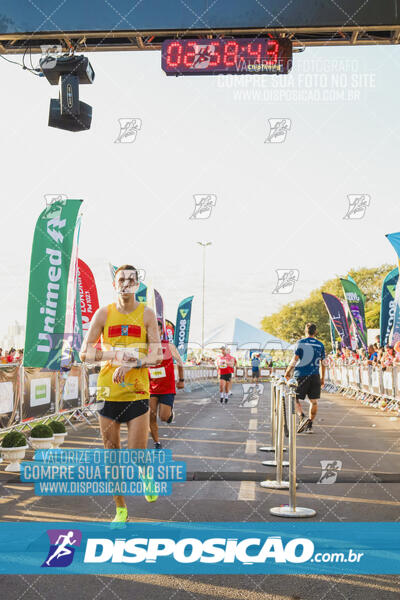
{"x": 376, "y": 381}
{"x": 70, "y": 388}
{"x": 52, "y": 285}
{"x": 337, "y": 313}
{"x": 366, "y": 379}
{"x": 183, "y": 326}
{"x": 355, "y": 301}
{"x": 39, "y": 393}
{"x": 388, "y": 305}
{"x": 10, "y": 390}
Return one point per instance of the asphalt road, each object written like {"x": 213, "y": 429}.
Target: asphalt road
{"x": 221, "y": 442}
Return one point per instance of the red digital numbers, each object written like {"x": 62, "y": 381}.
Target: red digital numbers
{"x": 189, "y": 55}
{"x": 254, "y": 51}
{"x": 226, "y": 56}
{"x": 174, "y": 54}
{"x": 230, "y": 54}
{"x": 215, "y": 60}
{"x": 272, "y": 52}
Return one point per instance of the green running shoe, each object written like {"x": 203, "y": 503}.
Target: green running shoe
{"x": 121, "y": 516}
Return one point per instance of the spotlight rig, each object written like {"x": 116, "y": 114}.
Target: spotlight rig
{"x": 68, "y": 72}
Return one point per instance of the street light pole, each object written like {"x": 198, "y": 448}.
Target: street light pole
{"x": 204, "y": 245}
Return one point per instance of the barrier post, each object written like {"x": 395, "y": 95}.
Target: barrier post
{"x": 274, "y": 414}
{"x": 279, "y": 408}
{"x": 278, "y": 462}
{"x": 292, "y": 510}
{"x": 21, "y": 390}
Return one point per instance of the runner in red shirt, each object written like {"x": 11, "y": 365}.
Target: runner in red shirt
{"x": 162, "y": 387}
{"x": 224, "y": 364}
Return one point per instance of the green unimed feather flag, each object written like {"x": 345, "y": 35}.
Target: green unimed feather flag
{"x": 52, "y": 286}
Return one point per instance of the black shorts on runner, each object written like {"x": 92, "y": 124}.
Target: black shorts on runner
{"x": 255, "y": 372}
{"x": 122, "y": 412}
{"x": 167, "y": 399}
{"x": 226, "y": 376}
{"x": 309, "y": 385}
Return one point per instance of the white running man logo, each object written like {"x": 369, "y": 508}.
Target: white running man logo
{"x": 62, "y": 549}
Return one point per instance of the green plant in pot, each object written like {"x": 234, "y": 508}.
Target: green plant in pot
{"x": 41, "y": 437}
{"x": 13, "y": 447}
{"x": 59, "y": 432}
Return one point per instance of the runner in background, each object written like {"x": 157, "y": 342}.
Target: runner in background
{"x": 130, "y": 344}
{"x": 308, "y": 359}
{"x": 255, "y": 367}
{"x": 224, "y": 366}
{"x": 162, "y": 387}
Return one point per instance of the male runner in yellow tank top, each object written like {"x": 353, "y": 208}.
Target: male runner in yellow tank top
{"x": 130, "y": 344}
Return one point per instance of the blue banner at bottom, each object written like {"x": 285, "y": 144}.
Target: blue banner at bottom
{"x": 200, "y": 548}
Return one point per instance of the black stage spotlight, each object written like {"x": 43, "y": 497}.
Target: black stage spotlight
{"x": 68, "y": 72}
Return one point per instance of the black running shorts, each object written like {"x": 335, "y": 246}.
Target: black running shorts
{"x": 310, "y": 386}
{"x": 167, "y": 399}
{"x": 226, "y": 376}
{"x": 122, "y": 412}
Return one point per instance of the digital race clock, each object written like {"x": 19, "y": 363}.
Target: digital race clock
{"x": 240, "y": 56}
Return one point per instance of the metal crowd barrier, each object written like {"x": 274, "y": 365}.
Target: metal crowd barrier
{"x": 281, "y": 392}
{"x": 30, "y": 395}
{"x": 372, "y": 385}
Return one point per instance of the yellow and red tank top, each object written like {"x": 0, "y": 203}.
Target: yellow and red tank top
{"x": 124, "y": 331}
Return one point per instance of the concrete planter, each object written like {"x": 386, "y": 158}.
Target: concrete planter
{"x": 41, "y": 443}
{"x": 13, "y": 456}
{"x": 59, "y": 439}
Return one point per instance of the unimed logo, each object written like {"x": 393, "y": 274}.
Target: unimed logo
{"x": 190, "y": 550}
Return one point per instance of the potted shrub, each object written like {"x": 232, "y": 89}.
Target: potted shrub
{"x": 13, "y": 447}
{"x": 41, "y": 437}
{"x": 59, "y": 432}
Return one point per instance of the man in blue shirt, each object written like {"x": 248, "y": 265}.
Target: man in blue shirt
{"x": 255, "y": 367}
{"x": 306, "y": 363}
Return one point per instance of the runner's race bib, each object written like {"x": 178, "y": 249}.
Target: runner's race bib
{"x": 223, "y": 364}
{"x": 157, "y": 373}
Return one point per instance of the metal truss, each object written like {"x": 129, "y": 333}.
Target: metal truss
{"x": 106, "y": 41}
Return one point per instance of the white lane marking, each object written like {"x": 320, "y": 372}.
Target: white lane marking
{"x": 253, "y": 423}
{"x": 251, "y": 447}
{"x": 254, "y": 410}
{"x": 247, "y": 490}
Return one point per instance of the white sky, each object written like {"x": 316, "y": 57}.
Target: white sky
{"x": 278, "y": 205}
